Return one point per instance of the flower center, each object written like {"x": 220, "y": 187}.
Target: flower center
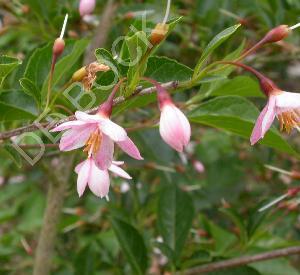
{"x": 289, "y": 120}
{"x": 93, "y": 143}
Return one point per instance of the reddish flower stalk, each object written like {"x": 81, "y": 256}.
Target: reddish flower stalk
{"x": 266, "y": 84}
{"x": 106, "y": 107}
{"x": 57, "y": 50}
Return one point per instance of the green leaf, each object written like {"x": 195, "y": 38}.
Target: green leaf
{"x": 175, "y": 216}
{"x": 213, "y": 44}
{"x": 104, "y": 57}
{"x": 240, "y": 85}
{"x": 38, "y": 65}
{"x": 7, "y": 65}
{"x": 15, "y": 105}
{"x": 238, "y": 222}
{"x": 30, "y": 89}
{"x": 223, "y": 239}
{"x": 237, "y": 115}
{"x": 132, "y": 244}
{"x": 137, "y": 47}
{"x": 275, "y": 267}
{"x": 164, "y": 69}
{"x": 13, "y": 154}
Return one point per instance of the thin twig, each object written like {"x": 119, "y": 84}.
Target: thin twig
{"x": 49, "y": 125}
{"x": 244, "y": 260}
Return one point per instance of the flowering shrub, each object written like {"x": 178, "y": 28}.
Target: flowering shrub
{"x": 179, "y": 92}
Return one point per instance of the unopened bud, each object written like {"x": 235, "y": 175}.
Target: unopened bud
{"x": 79, "y": 75}
{"x": 295, "y": 175}
{"x": 277, "y": 34}
{"x": 86, "y": 7}
{"x": 58, "y": 47}
{"x": 159, "y": 33}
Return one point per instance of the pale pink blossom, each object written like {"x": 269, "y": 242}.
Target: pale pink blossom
{"x": 98, "y": 134}
{"x": 86, "y": 7}
{"x": 174, "y": 127}
{"x": 97, "y": 179}
{"x": 283, "y": 105}
{"x": 198, "y": 166}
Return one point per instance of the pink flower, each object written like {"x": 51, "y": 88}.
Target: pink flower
{"x": 198, "y": 166}
{"x": 283, "y": 105}
{"x": 174, "y": 127}
{"x": 86, "y": 7}
{"x": 98, "y": 134}
{"x": 97, "y": 180}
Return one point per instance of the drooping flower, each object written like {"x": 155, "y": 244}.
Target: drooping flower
{"x": 98, "y": 134}
{"x": 97, "y": 179}
{"x": 86, "y": 7}
{"x": 283, "y": 105}
{"x": 174, "y": 127}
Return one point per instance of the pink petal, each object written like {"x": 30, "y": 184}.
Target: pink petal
{"x": 174, "y": 127}
{"x": 68, "y": 125}
{"x": 99, "y": 181}
{"x": 118, "y": 163}
{"x": 113, "y": 130}
{"x": 88, "y": 118}
{"x": 185, "y": 126}
{"x": 78, "y": 167}
{"x": 264, "y": 121}
{"x": 119, "y": 171}
{"x": 86, "y": 7}
{"x": 129, "y": 148}
{"x": 83, "y": 176}
{"x": 104, "y": 156}
{"x": 287, "y": 101}
{"x": 75, "y": 138}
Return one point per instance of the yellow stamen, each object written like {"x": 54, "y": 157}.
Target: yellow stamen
{"x": 289, "y": 120}
{"x": 93, "y": 143}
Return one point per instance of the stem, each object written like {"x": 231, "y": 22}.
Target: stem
{"x": 244, "y": 260}
{"x": 36, "y": 126}
{"x": 58, "y": 184}
{"x": 54, "y": 57}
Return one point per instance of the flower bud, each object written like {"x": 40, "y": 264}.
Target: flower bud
{"x": 86, "y": 7}
{"x": 58, "y": 47}
{"x": 79, "y": 75}
{"x": 159, "y": 33}
{"x": 277, "y": 34}
{"x": 174, "y": 127}
{"x": 198, "y": 166}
